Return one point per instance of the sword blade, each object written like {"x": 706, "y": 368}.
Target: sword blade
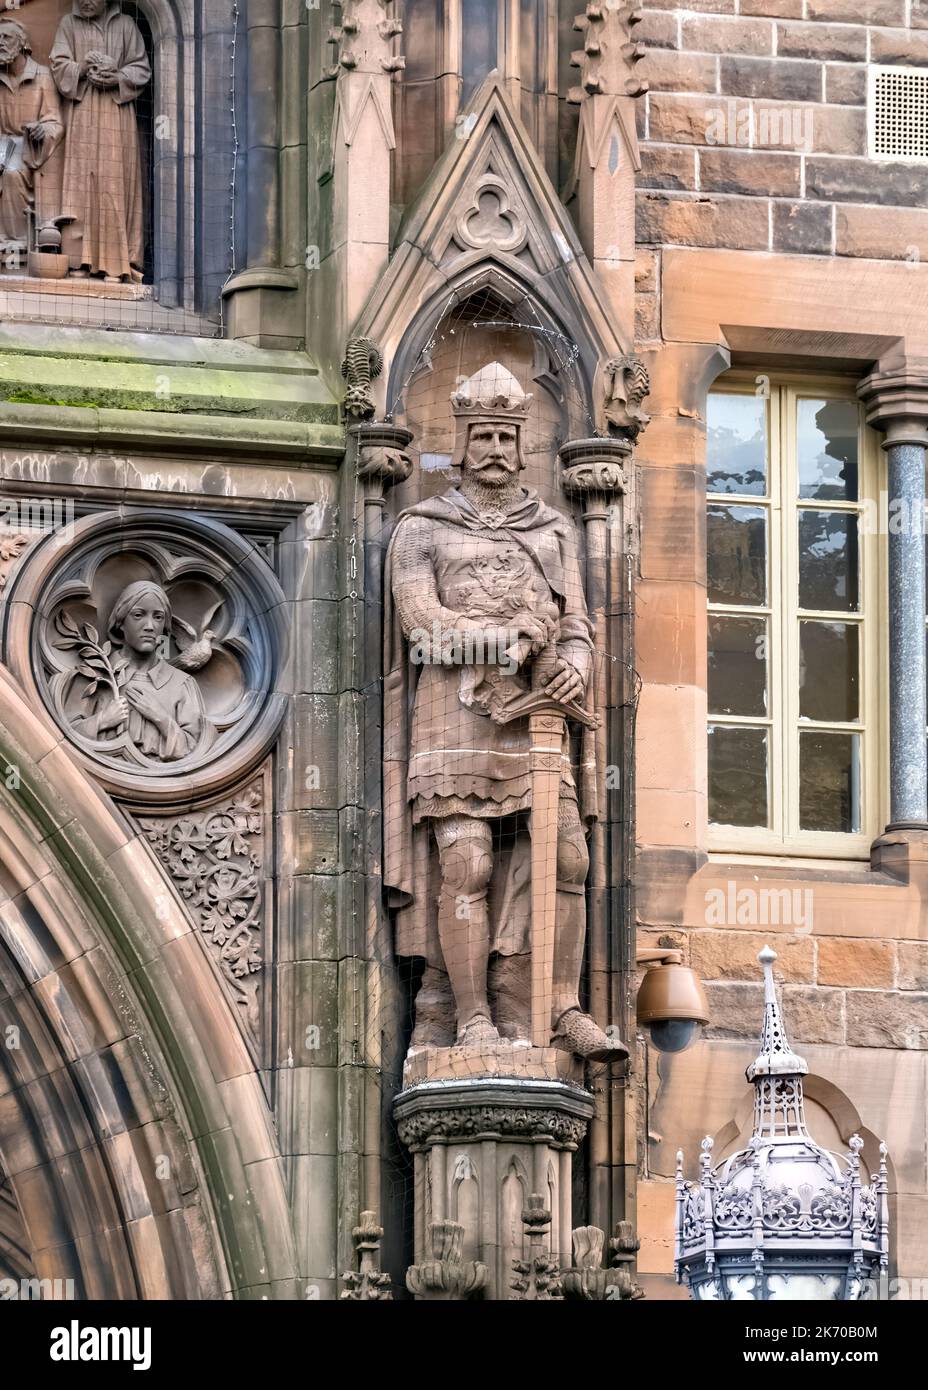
{"x": 546, "y": 734}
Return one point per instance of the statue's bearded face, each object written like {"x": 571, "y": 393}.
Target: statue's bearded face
{"x": 90, "y": 9}
{"x": 11, "y": 44}
{"x": 492, "y": 454}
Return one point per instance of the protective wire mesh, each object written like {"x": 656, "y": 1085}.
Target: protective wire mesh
{"x": 507, "y": 705}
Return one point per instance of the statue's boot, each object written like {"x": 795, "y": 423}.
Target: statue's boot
{"x": 572, "y": 1029}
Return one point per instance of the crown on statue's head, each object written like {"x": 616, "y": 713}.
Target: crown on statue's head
{"x": 493, "y": 393}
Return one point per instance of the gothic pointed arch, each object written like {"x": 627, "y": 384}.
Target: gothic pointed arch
{"x": 136, "y": 1143}
{"x": 490, "y": 218}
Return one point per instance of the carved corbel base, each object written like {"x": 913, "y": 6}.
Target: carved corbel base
{"x": 482, "y": 1145}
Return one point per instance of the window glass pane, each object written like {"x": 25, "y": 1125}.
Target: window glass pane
{"x": 828, "y": 561}
{"x": 737, "y": 665}
{"x": 737, "y": 776}
{"x": 829, "y": 670}
{"x": 737, "y": 554}
{"x": 736, "y": 444}
{"x": 829, "y": 781}
{"x": 826, "y": 442}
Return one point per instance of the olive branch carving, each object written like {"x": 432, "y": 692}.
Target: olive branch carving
{"x": 94, "y": 656}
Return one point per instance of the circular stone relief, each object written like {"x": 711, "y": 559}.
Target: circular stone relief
{"x": 154, "y": 640}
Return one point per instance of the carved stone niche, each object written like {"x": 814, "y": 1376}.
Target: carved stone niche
{"x": 482, "y": 1145}
{"x": 154, "y": 640}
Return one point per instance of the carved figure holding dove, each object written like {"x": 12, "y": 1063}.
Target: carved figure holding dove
{"x": 131, "y": 689}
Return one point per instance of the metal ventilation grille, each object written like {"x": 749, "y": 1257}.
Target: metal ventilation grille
{"x": 898, "y": 113}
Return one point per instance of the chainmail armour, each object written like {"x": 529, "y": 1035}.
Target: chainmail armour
{"x": 464, "y": 764}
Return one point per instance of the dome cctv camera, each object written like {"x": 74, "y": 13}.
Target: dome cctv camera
{"x": 674, "y": 1034}
{"x": 671, "y": 1001}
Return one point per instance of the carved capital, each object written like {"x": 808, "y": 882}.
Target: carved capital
{"x": 491, "y": 1122}
{"x": 896, "y": 401}
{"x": 594, "y": 471}
{"x": 598, "y": 476}
{"x": 381, "y": 453}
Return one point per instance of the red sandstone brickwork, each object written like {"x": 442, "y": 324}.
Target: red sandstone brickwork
{"x": 754, "y": 131}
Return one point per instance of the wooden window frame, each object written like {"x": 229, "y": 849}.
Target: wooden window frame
{"x": 783, "y": 836}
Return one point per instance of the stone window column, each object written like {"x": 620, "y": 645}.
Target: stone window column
{"x": 896, "y": 402}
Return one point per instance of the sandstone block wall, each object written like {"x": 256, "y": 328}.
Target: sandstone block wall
{"x": 754, "y": 131}
{"x": 754, "y": 140}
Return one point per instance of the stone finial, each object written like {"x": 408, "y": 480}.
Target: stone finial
{"x": 367, "y": 1282}
{"x": 538, "y": 1277}
{"x": 362, "y": 365}
{"x": 588, "y": 1244}
{"x": 626, "y": 385}
{"x": 624, "y": 1246}
{"x": 609, "y": 55}
{"x": 588, "y": 1280}
{"x": 446, "y": 1277}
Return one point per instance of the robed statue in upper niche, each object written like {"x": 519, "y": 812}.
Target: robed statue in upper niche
{"x": 100, "y": 67}
{"x": 30, "y": 133}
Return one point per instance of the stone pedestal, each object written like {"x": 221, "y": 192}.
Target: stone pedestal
{"x": 487, "y": 1131}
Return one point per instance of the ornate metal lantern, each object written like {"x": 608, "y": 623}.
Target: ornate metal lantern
{"x": 783, "y": 1218}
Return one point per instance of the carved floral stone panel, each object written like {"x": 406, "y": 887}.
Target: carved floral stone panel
{"x": 215, "y": 858}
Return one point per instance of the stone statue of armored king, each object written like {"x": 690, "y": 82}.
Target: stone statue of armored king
{"x": 482, "y": 584}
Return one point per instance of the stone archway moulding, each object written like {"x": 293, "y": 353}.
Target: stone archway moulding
{"x": 134, "y": 1129}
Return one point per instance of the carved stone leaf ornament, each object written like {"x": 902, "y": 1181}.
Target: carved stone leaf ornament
{"x": 215, "y": 859}
{"x": 153, "y": 639}
{"x": 485, "y": 1120}
{"x": 12, "y": 545}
